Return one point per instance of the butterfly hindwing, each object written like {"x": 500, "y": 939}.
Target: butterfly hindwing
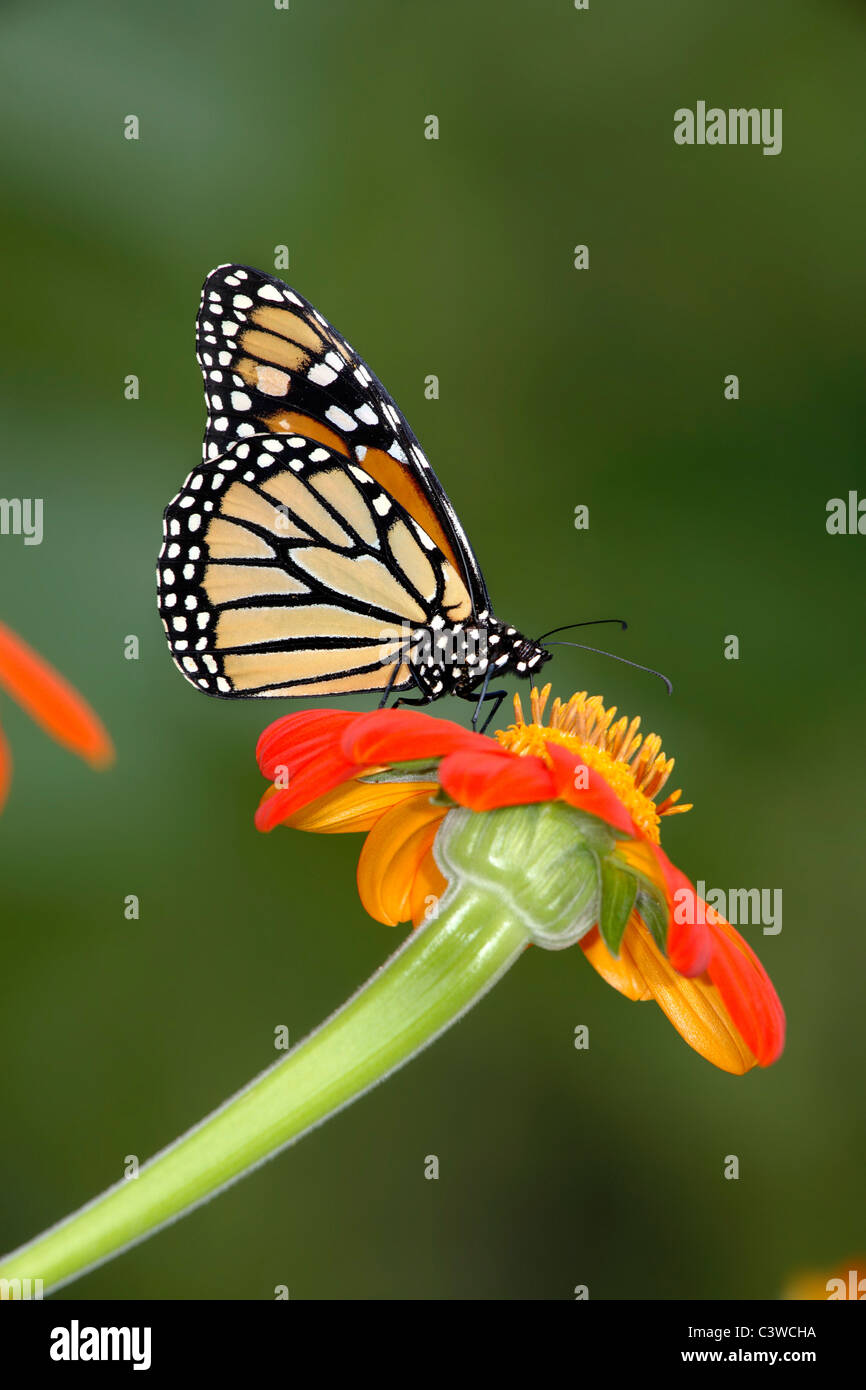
{"x": 272, "y": 363}
{"x": 287, "y": 570}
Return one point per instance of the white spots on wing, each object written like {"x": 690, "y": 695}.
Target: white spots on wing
{"x": 221, "y": 423}
{"x": 361, "y": 453}
{"x": 397, "y": 453}
{"x": 269, "y": 292}
{"x": 339, "y": 418}
{"x": 334, "y": 360}
{"x": 240, "y": 400}
{"x": 194, "y": 521}
{"x": 319, "y": 456}
{"x": 230, "y": 328}
{"x": 322, "y": 375}
{"x": 216, "y": 402}
{"x": 366, "y": 415}
{"x": 363, "y": 376}
{"x": 359, "y": 473}
{"x": 242, "y": 301}
{"x": 391, "y": 414}
{"x": 382, "y": 504}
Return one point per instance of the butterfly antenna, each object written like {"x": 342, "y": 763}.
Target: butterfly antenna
{"x": 650, "y": 669}
{"x": 591, "y": 622}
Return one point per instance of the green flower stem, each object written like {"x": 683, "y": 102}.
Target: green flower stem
{"x": 517, "y": 875}
{"x": 438, "y": 973}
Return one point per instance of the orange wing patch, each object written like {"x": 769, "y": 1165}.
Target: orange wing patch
{"x": 292, "y": 422}
{"x": 287, "y": 325}
{"x": 403, "y": 487}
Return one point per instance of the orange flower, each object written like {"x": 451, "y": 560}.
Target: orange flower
{"x": 52, "y": 702}
{"x": 396, "y": 774}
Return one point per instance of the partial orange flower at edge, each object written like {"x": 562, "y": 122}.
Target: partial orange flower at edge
{"x": 708, "y": 981}
{"x": 52, "y": 702}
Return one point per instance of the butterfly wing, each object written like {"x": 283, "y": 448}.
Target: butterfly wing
{"x": 271, "y": 362}
{"x": 286, "y": 569}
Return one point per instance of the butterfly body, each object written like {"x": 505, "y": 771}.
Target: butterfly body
{"x": 314, "y": 551}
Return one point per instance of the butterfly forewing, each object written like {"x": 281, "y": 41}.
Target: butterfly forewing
{"x": 287, "y": 569}
{"x": 271, "y": 362}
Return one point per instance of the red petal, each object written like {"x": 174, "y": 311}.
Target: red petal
{"x": 689, "y": 944}
{"x": 495, "y": 777}
{"x": 747, "y": 991}
{"x": 598, "y": 798}
{"x": 304, "y": 787}
{"x": 298, "y": 739}
{"x": 51, "y": 700}
{"x": 400, "y": 736}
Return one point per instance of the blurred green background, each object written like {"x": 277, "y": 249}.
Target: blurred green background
{"x": 558, "y": 387}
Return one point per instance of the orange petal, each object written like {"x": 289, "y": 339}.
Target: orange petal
{"x": 427, "y": 889}
{"x": 356, "y": 806}
{"x": 5, "y": 769}
{"x": 51, "y": 700}
{"x": 747, "y": 990}
{"x": 622, "y": 973}
{"x": 639, "y": 855}
{"x": 693, "y": 1004}
{"x": 392, "y": 854}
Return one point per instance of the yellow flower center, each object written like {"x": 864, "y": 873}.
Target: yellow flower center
{"x": 634, "y": 766}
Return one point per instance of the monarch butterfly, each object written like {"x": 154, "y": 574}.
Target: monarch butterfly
{"x": 314, "y": 551}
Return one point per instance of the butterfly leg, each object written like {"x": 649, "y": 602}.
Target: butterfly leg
{"x": 401, "y": 699}
{"x": 390, "y": 686}
{"x": 496, "y": 696}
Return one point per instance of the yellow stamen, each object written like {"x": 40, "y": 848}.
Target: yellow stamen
{"x": 634, "y": 766}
